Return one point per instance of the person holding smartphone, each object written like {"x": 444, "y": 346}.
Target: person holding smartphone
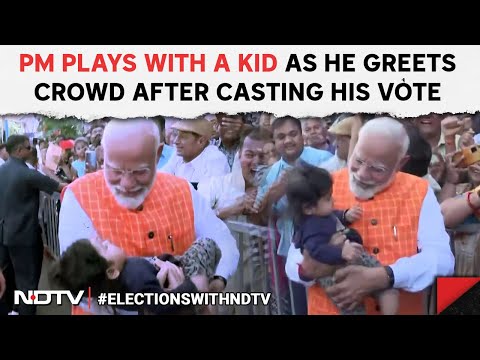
{"x": 90, "y": 161}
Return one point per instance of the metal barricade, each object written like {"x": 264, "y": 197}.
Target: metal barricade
{"x": 48, "y": 215}
{"x": 465, "y": 244}
{"x": 260, "y": 269}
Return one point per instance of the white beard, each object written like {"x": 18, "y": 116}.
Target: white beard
{"x": 368, "y": 193}
{"x": 130, "y": 203}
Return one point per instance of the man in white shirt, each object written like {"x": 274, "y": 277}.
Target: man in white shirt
{"x": 143, "y": 211}
{"x": 232, "y": 197}
{"x": 341, "y": 130}
{"x": 196, "y": 160}
{"x": 401, "y": 225}
{"x": 314, "y": 131}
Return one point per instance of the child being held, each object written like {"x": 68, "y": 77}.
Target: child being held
{"x": 104, "y": 267}
{"x": 318, "y": 226}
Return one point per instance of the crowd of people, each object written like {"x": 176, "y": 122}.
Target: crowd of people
{"x": 363, "y": 211}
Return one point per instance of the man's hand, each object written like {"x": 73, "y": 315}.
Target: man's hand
{"x": 453, "y": 175}
{"x": 252, "y": 192}
{"x": 170, "y": 274}
{"x": 351, "y": 251}
{"x": 249, "y": 201}
{"x": 438, "y": 169}
{"x": 354, "y": 213}
{"x": 200, "y": 282}
{"x": 452, "y": 126}
{"x": 354, "y": 282}
{"x": 61, "y": 186}
{"x": 216, "y": 285}
{"x": 259, "y": 206}
{"x": 466, "y": 140}
{"x": 337, "y": 239}
{"x": 162, "y": 272}
{"x": 237, "y": 207}
{"x": 274, "y": 193}
{"x": 3, "y": 284}
{"x": 175, "y": 276}
{"x": 277, "y": 190}
{"x": 243, "y": 205}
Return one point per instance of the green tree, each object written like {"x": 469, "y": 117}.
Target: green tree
{"x": 70, "y": 127}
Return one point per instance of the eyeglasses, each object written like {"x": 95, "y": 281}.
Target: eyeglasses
{"x": 375, "y": 169}
{"x": 137, "y": 173}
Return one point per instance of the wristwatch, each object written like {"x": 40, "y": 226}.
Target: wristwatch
{"x": 391, "y": 276}
{"x": 221, "y": 278}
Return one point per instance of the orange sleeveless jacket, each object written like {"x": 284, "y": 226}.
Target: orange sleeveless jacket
{"x": 397, "y": 207}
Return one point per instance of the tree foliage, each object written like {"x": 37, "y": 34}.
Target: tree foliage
{"x": 68, "y": 127}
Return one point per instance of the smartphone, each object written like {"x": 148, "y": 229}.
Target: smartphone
{"x": 90, "y": 160}
{"x": 471, "y": 155}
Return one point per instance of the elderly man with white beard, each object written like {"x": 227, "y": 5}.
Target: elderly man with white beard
{"x": 402, "y": 226}
{"x": 144, "y": 212}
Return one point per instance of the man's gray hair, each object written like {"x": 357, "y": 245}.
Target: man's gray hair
{"x": 388, "y": 127}
{"x": 148, "y": 126}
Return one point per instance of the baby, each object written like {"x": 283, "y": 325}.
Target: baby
{"x": 317, "y": 225}
{"x": 104, "y": 267}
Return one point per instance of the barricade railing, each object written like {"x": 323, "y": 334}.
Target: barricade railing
{"x": 260, "y": 269}
{"x": 48, "y": 215}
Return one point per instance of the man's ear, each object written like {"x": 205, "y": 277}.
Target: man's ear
{"x": 159, "y": 152}
{"x": 112, "y": 273}
{"x": 403, "y": 161}
{"x": 204, "y": 140}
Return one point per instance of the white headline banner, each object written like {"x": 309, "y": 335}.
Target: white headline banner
{"x": 186, "y": 81}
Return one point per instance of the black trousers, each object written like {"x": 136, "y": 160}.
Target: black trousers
{"x": 24, "y": 265}
{"x": 6, "y": 303}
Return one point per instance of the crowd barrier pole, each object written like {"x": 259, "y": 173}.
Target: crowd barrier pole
{"x": 49, "y": 211}
{"x": 244, "y": 233}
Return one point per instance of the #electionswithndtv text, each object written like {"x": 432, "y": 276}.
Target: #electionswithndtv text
{"x": 47, "y": 297}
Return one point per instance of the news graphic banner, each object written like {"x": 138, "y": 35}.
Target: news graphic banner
{"x": 458, "y": 296}
{"x": 186, "y": 81}
{"x": 58, "y": 297}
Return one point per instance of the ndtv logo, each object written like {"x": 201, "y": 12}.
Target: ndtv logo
{"x": 45, "y": 297}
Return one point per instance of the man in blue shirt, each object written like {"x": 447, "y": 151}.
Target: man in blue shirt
{"x": 166, "y": 153}
{"x": 167, "y": 149}
{"x": 289, "y": 143}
